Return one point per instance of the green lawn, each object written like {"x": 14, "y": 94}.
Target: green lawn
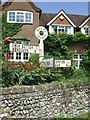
{"x": 85, "y": 116}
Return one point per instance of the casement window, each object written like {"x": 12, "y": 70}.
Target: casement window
{"x": 11, "y": 16}
{"x": 25, "y": 56}
{"x": 78, "y": 59}
{"x": 19, "y": 50}
{"x": 11, "y": 55}
{"x": 20, "y": 17}
{"x": 18, "y": 56}
{"x": 87, "y": 31}
{"x": 64, "y": 29}
{"x": 61, "y": 29}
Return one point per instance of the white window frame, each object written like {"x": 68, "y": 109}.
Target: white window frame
{"x": 19, "y": 44}
{"x": 78, "y": 60}
{"x": 24, "y": 12}
{"x": 60, "y": 25}
{"x": 11, "y": 55}
{"x": 88, "y": 30}
{"x": 25, "y": 55}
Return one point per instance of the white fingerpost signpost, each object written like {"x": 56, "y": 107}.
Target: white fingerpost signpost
{"x": 41, "y": 33}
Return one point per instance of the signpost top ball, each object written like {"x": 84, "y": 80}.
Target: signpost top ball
{"x": 41, "y": 33}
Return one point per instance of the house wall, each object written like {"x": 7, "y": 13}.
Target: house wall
{"x": 44, "y": 101}
{"x": 27, "y": 30}
{"x": 77, "y": 47}
{"x": 64, "y": 21}
{"x": 58, "y": 21}
{"x": 86, "y": 25}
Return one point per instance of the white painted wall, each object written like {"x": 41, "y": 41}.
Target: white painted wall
{"x": 82, "y": 30}
{"x": 51, "y": 30}
{"x": 72, "y": 30}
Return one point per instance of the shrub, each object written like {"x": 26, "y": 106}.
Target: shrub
{"x": 34, "y": 58}
{"x": 12, "y": 72}
{"x": 40, "y": 76}
{"x": 16, "y": 74}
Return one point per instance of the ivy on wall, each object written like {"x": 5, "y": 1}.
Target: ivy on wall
{"x": 9, "y": 29}
{"x": 56, "y": 45}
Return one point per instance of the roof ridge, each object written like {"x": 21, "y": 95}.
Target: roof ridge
{"x": 77, "y": 14}
{"x": 49, "y": 13}
{"x": 67, "y": 14}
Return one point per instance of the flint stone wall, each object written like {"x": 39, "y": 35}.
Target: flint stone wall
{"x": 44, "y": 101}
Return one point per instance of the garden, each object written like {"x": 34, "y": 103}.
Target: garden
{"x": 31, "y": 72}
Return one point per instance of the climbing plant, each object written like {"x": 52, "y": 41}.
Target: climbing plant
{"x": 56, "y": 45}
{"x": 9, "y": 29}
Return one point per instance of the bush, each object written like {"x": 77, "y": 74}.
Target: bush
{"x": 10, "y": 76}
{"x": 34, "y": 58}
{"x": 25, "y": 74}
{"x": 17, "y": 74}
{"x": 40, "y": 76}
{"x": 12, "y": 72}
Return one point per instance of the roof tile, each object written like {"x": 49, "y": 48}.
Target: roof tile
{"x": 76, "y": 19}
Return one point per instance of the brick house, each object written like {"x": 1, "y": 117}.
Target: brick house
{"x": 32, "y": 17}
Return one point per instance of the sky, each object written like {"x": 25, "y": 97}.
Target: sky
{"x": 68, "y": 7}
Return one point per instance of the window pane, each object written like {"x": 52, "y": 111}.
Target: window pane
{"x": 20, "y": 18}
{"x": 20, "y": 13}
{"x": 80, "y": 56}
{"x": 68, "y": 29}
{"x": 87, "y": 30}
{"x": 11, "y": 55}
{"x": 25, "y": 56}
{"x": 75, "y": 56}
{"x": 18, "y": 56}
{"x": 28, "y": 17}
{"x": 11, "y": 16}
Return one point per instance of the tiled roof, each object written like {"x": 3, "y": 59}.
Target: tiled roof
{"x": 45, "y": 18}
{"x": 76, "y": 19}
{"x": 31, "y": 3}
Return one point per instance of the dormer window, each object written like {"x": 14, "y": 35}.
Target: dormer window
{"x": 20, "y": 17}
{"x": 87, "y": 30}
{"x": 61, "y": 29}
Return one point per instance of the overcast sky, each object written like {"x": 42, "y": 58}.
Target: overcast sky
{"x": 68, "y": 7}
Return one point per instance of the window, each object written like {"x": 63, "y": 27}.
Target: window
{"x": 27, "y": 17}
{"x": 54, "y": 28}
{"x": 87, "y": 30}
{"x": 77, "y": 58}
{"x": 20, "y": 17}
{"x": 18, "y": 56}
{"x": 12, "y": 16}
{"x": 25, "y": 56}
{"x": 19, "y": 50}
{"x": 61, "y": 29}
{"x": 11, "y": 55}
{"x": 64, "y": 29}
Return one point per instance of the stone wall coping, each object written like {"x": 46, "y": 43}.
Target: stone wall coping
{"x": 37, "y": 88}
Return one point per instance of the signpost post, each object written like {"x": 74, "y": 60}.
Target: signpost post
{"x": 41, "y": 33}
